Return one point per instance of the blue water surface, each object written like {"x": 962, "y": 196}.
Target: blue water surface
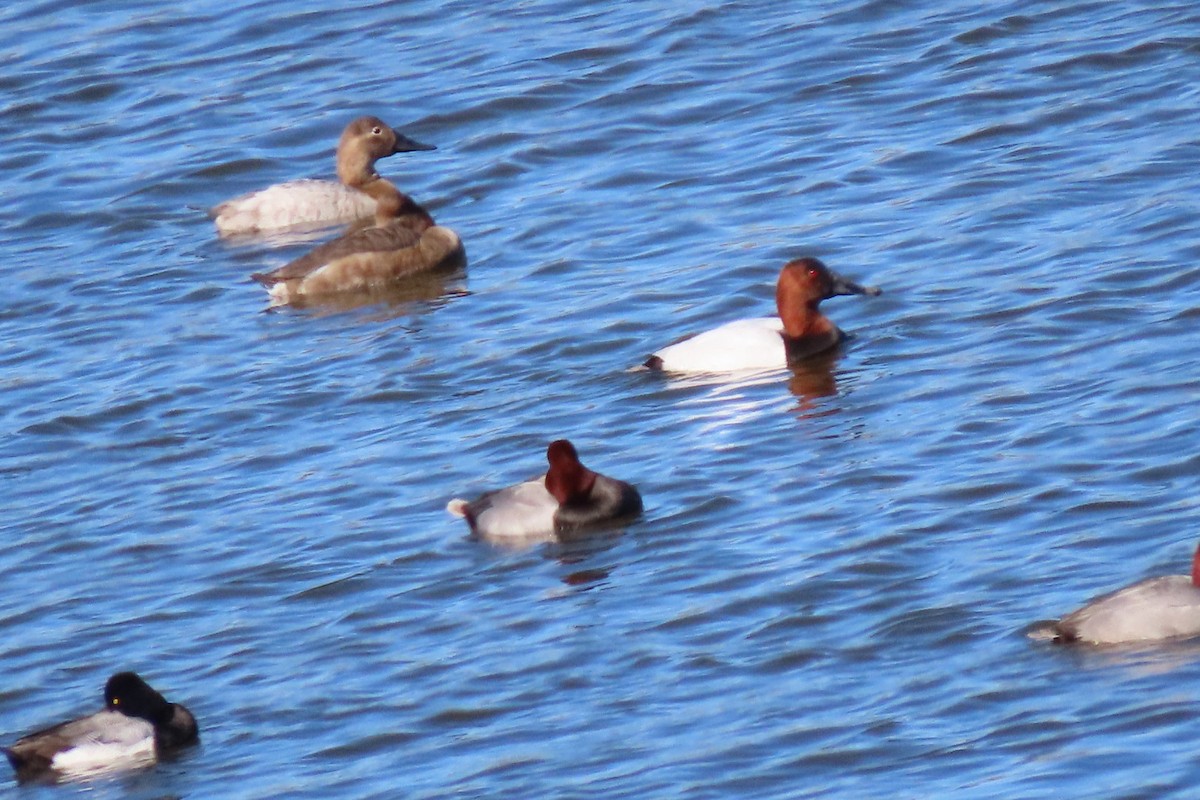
{"x": 827, "y": 594}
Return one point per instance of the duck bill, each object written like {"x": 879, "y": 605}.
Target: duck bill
{"x": 846, "y": 286}
{"x": 407, "y": 145}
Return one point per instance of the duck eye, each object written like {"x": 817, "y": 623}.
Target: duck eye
{"x": 376, "y": 131}
{"x": 813, "y": 272}
{"x": 116, "y": 701}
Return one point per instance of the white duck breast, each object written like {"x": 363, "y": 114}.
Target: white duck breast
{"x": 745, "y": 344}
{"x": 1158, "y": 608}
{"x": 295, "y": 204}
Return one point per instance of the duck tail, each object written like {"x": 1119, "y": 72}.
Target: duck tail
{"x": 442, "y": 247}
{"x": 1044, "y": 631}
{"x": 279, "y": 294}
{"x": 26, "y": 765}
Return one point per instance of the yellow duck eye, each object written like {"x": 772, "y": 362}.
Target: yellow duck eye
{"x": 116, "y": 701}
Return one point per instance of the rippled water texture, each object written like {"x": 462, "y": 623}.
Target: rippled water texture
{"x": 827, "y": 592}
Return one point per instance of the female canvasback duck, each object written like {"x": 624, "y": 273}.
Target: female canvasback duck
{"x": 1150, "y": 610}
{"x": 135, "y": 729}
{"x": 316, "y": 203}
{"x": 404, "y": 241}
{"x": 568, "y": 498}
{"x": 799, "y": 331}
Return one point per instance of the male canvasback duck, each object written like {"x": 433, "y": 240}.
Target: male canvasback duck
{"x": 404, "y": 241}
{"x": 1156, "y": 608}
{"x": 316, "y": 203}
{"x": 568, "y": 498}
{"x": 136, "y": 727}
{"x": 799, "y": 331}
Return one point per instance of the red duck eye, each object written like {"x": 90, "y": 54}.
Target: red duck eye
{"x": 813, "y": 272}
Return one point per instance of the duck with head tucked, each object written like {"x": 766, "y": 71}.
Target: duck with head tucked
{"x": 313, "y": 203}
{"x": 1154, "y": 609}
{"x": 135, "y": 729}
{"x": 569, "y": 498}
{"x": 404, "y": 241}
{"x": 800, "y": 330}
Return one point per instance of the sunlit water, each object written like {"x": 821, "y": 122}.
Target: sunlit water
{"x": 827, "y": 592}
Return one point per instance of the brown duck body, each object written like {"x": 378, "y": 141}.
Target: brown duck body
{"x": 403, "y": 242}
{"x": 404, "y": 245}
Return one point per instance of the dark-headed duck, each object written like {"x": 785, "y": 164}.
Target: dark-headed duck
{"x": 568, "y": 498}
{"x": 1154, "y": 609}
{"x": 316, "y": 203}
{"x": 800, "y": 330}
{"x": 136, "y": 727}
{"x": 403, "y": 242}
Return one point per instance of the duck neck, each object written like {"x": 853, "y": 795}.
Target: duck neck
{"x": 355, "y": 168}
{"x": 395, "y": 205}
{"x": 806, "y": 331}
{"x": 803, "y": 321}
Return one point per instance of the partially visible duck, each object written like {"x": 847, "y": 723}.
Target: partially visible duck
{"x": 136, "y": 727}
{"x": 800, "y": 330}
{"x": 316, "y": 203}
{"x": 568, "y": 498}
{"x": 404, "y": 241}
{"x": 1154, "y": 609}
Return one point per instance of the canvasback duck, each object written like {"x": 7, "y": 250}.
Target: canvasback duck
{"x": 404, "y": 241}
{"x": 136, "y": 727}
{"x": 1154, "y": 609}
{"x": 800, "y": 330}
{"x": 568, "y": 498}
{"x": 317, "y": 203}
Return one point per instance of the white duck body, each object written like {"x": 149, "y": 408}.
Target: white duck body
{"x": 315, "y": 203}
{"x": 1157, "y": 608}
{"x": 521, "y": 512}
{"x": 744, "y": 344}
{"x": 292, "y": 205}
{"x": 106, "y": 741}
